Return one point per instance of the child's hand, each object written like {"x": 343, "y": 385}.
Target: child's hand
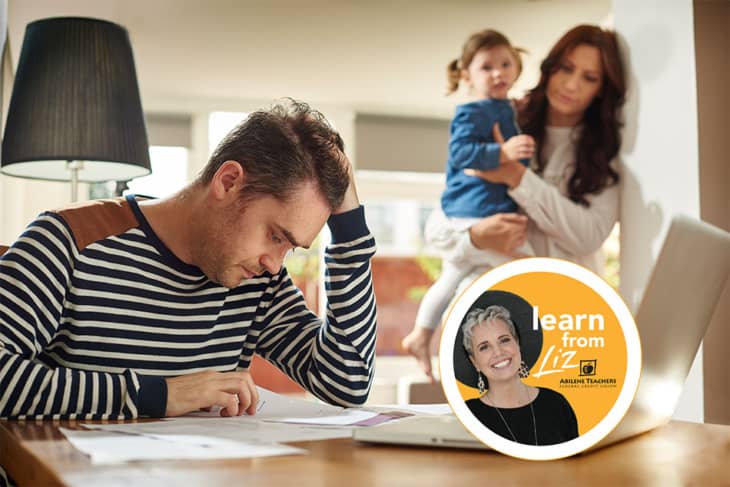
{"x": 418, "y": 344}
{"x": 517, "y": 147}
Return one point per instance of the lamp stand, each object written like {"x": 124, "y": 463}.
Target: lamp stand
{"x": 74, "y": 167}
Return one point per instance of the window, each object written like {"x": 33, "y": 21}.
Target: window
{"x": 169, "y": 174}
{"x": 170, "y": 136}
{"x": 219, "y": 124}
{"x": 397, "y": 205}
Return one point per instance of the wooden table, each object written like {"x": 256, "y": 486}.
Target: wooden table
{"x": 36, "y": 453}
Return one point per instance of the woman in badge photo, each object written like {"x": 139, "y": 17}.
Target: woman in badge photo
{"x": 495, "y": 350}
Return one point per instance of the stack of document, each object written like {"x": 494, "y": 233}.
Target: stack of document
{"x": 206, "y": 435}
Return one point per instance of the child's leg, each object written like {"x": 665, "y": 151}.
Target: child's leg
{"x": 486, "y": 259}
{"x": 433, "y": 305}
{"x": 439, "y": 294}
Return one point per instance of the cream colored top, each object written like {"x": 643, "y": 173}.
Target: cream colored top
{"x": 559, "y": 227}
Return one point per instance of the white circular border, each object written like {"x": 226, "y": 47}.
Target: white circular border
{"x": 446, "y": 358}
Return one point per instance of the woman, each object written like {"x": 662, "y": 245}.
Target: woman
{"x": 570, "y": 191}
{"x": 507, "y": 406}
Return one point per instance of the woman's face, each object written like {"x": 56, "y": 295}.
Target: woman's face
{"x": 572, "y": 88}
{"x": 495, "y": 351}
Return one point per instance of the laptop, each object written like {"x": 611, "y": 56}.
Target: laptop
{"x": 675, "y": 311}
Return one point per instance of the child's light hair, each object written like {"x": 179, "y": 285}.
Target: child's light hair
{"x": 484, "y": 39}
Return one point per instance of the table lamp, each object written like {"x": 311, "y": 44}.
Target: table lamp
{"x": 75, "y": 111}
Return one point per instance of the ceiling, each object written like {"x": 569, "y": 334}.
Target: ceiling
{"x": 366, "y": 56}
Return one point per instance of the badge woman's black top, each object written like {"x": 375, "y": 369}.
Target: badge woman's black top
{"x": 554, "y": 419}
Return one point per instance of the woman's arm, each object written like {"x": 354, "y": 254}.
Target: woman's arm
{"x": 502, "y": 232}
{"x": 578, "y": 229}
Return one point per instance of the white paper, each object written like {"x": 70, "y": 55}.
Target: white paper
{"x": 106, "y": 447}
{"x": 427, "y": 409}
{"x": 345, "y": 417}
{"x": 242, "y": 428}
{"x": 278, "y": 419}
{"x": 273, "y": 405}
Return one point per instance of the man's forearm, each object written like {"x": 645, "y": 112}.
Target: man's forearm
{"x": 33, "y": 391}
{"x": 345, "y": 350}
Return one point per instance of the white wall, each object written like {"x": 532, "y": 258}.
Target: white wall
{"x": 379, "y": 56}
{"x": 660, "y": 149}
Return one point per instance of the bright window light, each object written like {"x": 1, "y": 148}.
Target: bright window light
{"x": 219, "y": 124}
{"x": 169, "y": 172}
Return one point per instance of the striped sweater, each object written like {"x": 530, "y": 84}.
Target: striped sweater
{"x": 95, "y": 311}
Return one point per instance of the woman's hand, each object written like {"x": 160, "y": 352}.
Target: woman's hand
{"x": 508, "y": 173}
{"x": 503, "y": 233}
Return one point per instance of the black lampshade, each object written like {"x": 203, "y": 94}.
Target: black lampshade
{"x": 75, "y": 98}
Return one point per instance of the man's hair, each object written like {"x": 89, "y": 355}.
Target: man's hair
{"x": 282, "y": 148}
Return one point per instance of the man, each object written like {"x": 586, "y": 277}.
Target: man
{"x": 125, "y": 308}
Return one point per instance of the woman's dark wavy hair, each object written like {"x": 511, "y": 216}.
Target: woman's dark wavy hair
{"x": 600, "y": 139}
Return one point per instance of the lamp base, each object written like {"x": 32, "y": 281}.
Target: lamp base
{"x": 74, "y": 167}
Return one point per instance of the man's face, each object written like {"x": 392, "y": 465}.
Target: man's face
{"x": 242, "y": 242}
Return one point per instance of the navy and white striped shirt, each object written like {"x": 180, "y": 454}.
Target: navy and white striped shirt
{"x": 95, "y": 311}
